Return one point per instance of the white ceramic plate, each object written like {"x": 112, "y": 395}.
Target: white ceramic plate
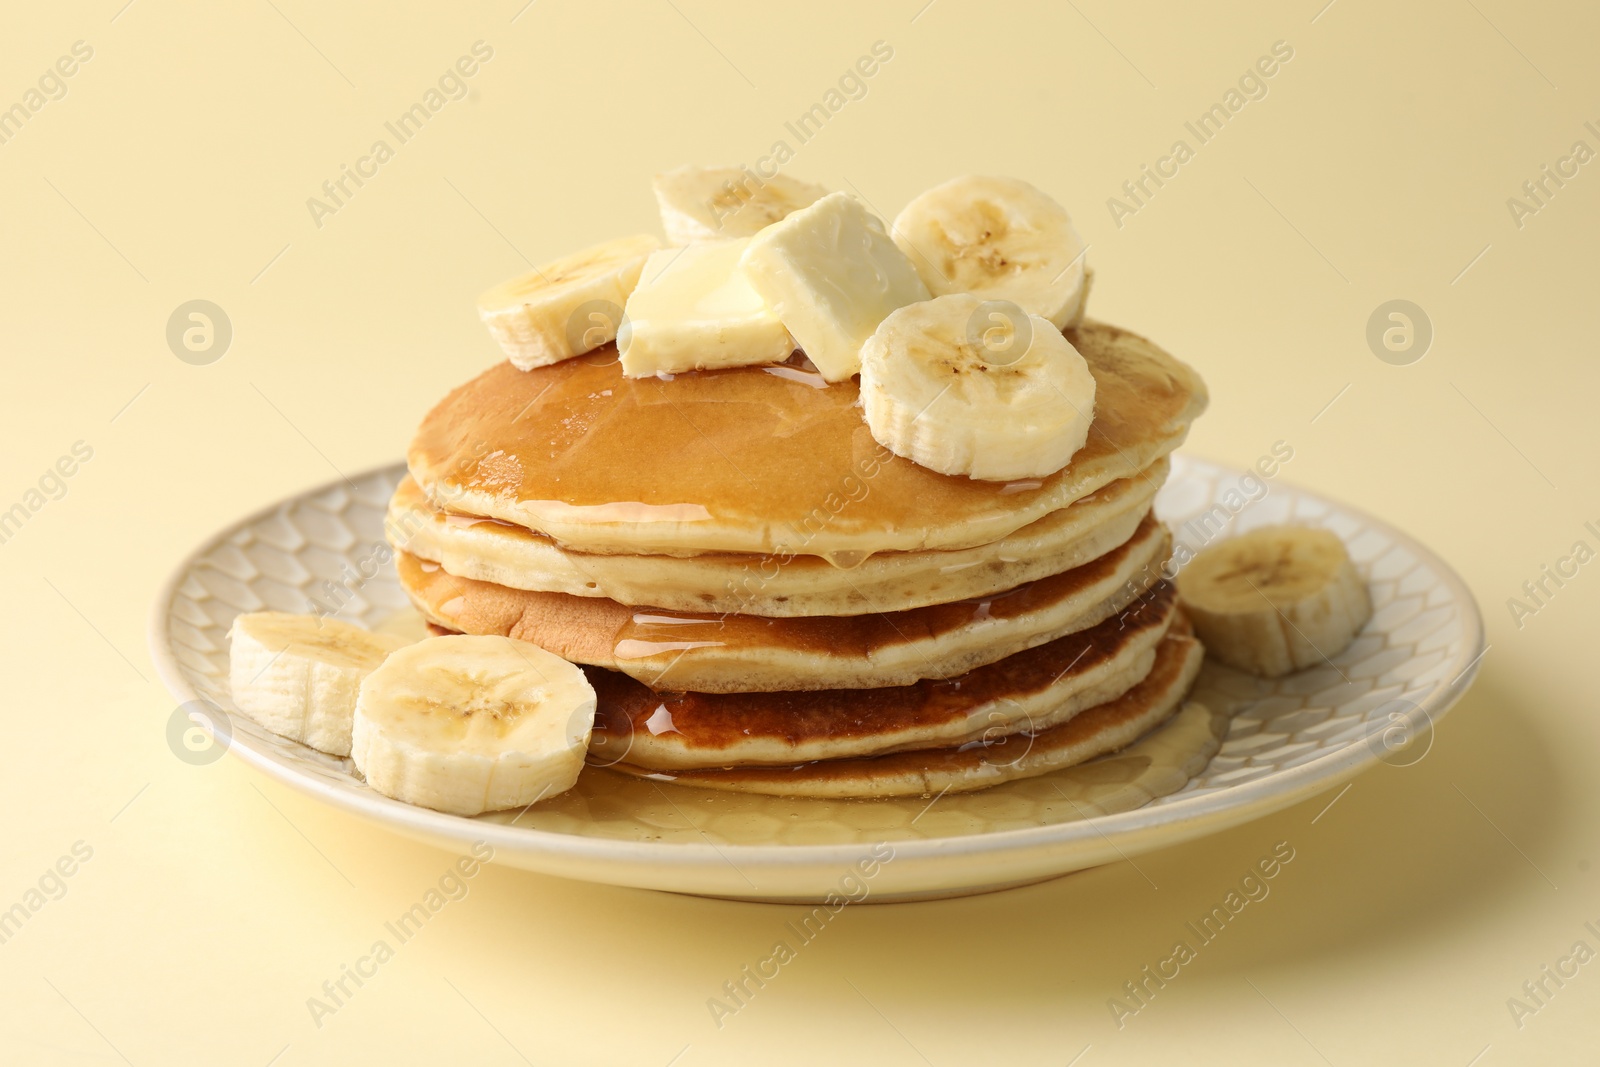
{"x": 1286, "y": 740}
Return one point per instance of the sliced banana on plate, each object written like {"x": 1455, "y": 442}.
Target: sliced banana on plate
{"x": 999, "y": 239}
{"x": 298, "y": 675}
{"x": 467, "y": 724}
{"x": 715, "y": 203}
{"x": 566, "y": 307}
{"x": 966, "y": 386}
{"x": 1276, "y": 599}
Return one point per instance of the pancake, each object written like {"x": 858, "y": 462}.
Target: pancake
{"x": 624, "y": 807}
{"x": 489, "y": 550}
{"x": 1030, "y": 691}
{"x": 1101, "y": 729}
{"x": 705, "y": 653}
{"x": 760, "y": 459}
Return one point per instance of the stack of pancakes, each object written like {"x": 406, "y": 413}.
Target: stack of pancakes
{"x": 769, "y": 601}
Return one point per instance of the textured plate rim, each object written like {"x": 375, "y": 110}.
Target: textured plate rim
{"x": 1199, "y": 814}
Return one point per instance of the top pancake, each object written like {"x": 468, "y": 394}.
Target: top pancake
{"x": 760, "y": 459}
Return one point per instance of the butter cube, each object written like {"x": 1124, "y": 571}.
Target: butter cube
{"x": 694, "y": 310}
{"x": 832, "y": 274}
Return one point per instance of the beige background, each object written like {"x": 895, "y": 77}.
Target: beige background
{"x": 178, "y": 165}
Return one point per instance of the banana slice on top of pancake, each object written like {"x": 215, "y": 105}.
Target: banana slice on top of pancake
{"x": 999, "y": 239}
{"x": 568, "y": 306}
{"x": 468, "y": 724}
{"x": 966, "y": 386}
{"x": 700, "y": 203}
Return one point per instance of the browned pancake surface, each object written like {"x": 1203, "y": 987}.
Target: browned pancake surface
{"x": 712, "y": 721}
{"x": 598, "y": 630}
{"x": 1103, "y": 728}
{"x": 768, "y": 451}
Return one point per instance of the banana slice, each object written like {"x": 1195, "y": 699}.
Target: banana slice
{"x": 1276, "y": 599}
{"x": 713, "y": 203}
{"x": 999, "y": 239}
{"x": 566, "y": 307}
{"x": 468, "y": 724}
{"x": 298, "y": 675}
{"x": 965, "y": 386}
